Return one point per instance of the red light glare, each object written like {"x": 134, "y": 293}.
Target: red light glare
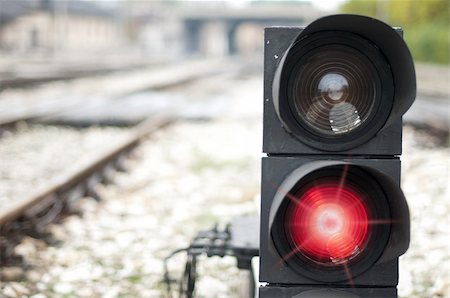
{"x": 329, "y": 223}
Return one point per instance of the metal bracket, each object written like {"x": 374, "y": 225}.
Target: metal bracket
{"x": 238, "y": 239}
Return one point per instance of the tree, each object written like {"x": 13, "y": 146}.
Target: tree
{"x": 425, "y": 22}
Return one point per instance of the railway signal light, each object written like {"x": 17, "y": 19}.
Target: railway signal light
{"x": 333, "y": 217}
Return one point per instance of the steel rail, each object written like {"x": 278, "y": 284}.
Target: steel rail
{"x": 159, "y": 79}
{"x": 48, "y": 72}
{"x": 78, "y": 176}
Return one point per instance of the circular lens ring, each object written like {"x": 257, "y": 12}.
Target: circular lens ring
{"x": 383, "y": 81}
{"x": 376, "y": 238}
{"x": 329, "y": 224}
{"x": 303, "y": 89}
{"x": 323, "y": 123}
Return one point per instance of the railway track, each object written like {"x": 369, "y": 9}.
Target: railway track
{"x": 110, "y": 94}
{"x": 32, "y": 213}
{"x": 130, "y": 184}
{"x": 43, "y": 206}
{"x": 19, "y": 74}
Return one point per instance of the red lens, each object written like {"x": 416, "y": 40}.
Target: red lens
{"x": 329, "y": 223}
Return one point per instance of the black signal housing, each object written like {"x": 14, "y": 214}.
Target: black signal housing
{"x": 391, "y": 64}
{"x": 334, "y": 219}
{"x": 378, "y": 266}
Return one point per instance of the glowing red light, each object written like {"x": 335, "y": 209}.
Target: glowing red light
{"x": 329, "y": 223}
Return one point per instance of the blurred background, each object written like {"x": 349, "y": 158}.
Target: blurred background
{"x": 76, "y": 79}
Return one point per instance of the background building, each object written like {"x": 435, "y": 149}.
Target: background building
{"x": 47, "y": 26}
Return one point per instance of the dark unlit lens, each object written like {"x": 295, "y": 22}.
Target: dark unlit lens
{"x": 333, "y": 90}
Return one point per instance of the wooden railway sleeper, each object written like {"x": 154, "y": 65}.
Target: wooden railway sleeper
{"x": 120, "y": 163}
{"x": 44, "y": 204}
{"x": 42, "y": 219}
{"x": 91, "y": 184}
{"x": 10, "y": 236}
{"x": 71, "y": 198}
{"x": 108, "y": 172}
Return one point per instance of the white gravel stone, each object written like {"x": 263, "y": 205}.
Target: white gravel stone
{"x": 8, "y": 291}
{"x": 63, "y": 288}
{"x": 211, "y": 287}
{"x": 38, "y": 296}
{"x": 425, "y": 268}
